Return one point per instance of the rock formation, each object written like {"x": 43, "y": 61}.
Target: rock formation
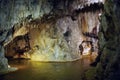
{"x": 108, "y": 65}
{"x": 56, "y": 27}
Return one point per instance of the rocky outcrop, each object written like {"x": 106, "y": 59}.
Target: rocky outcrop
{"x": 3, "y": 60}
{"x": 4, "y": 37}
{"x": 109, "y": 43}
{"x": 108, "y": 67}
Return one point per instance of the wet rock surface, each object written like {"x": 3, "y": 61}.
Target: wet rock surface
{"x": 108, "y": 67}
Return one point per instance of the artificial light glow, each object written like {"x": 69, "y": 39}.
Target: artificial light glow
{"x": 86, "y": 51}
{"x": 86, "y": 48}
{"x": 8, "y": 66}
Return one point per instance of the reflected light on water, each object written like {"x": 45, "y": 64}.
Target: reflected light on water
{"x": 35, "y": 70}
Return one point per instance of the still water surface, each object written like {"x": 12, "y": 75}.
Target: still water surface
{"x": 31, "y": 70}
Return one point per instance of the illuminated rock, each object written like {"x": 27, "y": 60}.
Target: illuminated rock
{"x": 48, "y": 44}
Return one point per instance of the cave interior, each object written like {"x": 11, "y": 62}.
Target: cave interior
{"x": 58, "y": 39}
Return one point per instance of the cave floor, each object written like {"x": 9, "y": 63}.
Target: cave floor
{"x": 32, "y": 70}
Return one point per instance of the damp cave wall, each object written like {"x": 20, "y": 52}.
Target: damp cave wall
{"x": 108, "y": 64}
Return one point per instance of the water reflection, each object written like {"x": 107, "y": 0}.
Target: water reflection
{"x": 31, "y": 70}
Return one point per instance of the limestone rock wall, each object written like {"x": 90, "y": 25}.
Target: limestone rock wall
{"x": 14, "y": 11}
{"x": 108, "y": 67}
{"x": 109, "y": 42}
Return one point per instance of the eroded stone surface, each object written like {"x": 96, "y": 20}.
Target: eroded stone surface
{"x": 108, "y": 67}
